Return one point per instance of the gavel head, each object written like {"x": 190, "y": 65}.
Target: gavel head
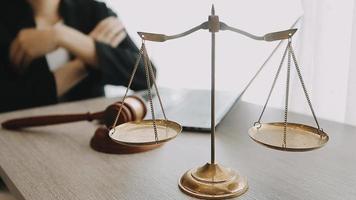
{"x": 132, "y": 109}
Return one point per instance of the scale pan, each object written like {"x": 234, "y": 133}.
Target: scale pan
{"x": 300, "y": 137}
{"x": 141, "y": 133}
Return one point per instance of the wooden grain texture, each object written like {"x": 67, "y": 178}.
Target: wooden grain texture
{"x": 56, "y": 162}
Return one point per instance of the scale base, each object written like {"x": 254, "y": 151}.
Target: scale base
{"x": 213, "y": 181}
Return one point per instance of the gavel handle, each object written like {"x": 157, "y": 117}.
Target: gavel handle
{"x": 50, "y": 120}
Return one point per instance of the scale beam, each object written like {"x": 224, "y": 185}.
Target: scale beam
{"x": 280, "y": 35}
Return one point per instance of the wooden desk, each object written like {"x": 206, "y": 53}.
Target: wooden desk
{"x": 57, "y": 163}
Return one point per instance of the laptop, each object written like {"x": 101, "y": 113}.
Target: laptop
{"x": 190, "y": 107}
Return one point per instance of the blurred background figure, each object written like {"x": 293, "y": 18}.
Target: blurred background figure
{"x": 62, "y": 50}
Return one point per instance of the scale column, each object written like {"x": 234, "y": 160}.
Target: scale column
{"x": 214, "y": 26}
{"x": 213, "y": 181}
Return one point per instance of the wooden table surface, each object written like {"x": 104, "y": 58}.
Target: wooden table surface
{"x": 56, "y": 162}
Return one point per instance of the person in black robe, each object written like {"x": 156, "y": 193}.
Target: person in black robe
{"x": 100, "y": 52}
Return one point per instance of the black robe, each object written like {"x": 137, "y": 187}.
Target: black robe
{"x": 36, "y": 86}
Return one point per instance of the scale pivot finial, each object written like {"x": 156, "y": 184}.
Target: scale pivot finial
{"x": 212, "y": 10}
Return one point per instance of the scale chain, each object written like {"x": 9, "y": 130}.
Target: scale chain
{"x": 287, "y": 97}
{"x": 303, "y": 86}
{"x": 128, "y": 87}
{"x": 272, "y": 87}
{"x": 149, "y": 91}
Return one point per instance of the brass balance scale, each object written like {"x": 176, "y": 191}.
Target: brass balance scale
{"x": 213, "y": 181}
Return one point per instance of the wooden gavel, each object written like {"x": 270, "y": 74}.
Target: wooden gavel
{"x": 133, "y": 109}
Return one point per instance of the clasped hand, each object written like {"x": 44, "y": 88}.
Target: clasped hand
{"x": 32, "y": 43}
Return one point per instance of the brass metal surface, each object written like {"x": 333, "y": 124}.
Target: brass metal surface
{"x": 139, "y": 133}
{"x": 213, "y": 181}
{"x": 152, "y": 36}
{"x": 299, "y": 137}
{"x": 280, "y": 35}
